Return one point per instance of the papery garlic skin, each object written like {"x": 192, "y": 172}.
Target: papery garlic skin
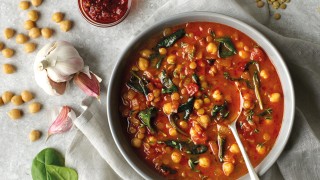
{"x": 56, "y": 62}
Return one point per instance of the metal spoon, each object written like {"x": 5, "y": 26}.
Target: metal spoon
{"x": 232, "y": 126}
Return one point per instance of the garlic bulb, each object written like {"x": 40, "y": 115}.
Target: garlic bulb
{"x": 55, "y": 64}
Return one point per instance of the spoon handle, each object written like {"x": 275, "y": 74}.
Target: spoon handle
{"x": 252, "y": 173}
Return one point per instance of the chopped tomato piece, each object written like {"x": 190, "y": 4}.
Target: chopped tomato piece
{"x": 192, "y": 88}
{"x": 257, "y": 54}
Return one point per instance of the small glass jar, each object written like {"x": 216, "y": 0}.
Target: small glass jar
{"x": 104, "y": 13}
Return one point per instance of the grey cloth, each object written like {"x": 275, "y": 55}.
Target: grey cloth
{"x": 301, "y": 157}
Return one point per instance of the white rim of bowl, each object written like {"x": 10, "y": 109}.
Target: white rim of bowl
{"x": 289, "y": 101}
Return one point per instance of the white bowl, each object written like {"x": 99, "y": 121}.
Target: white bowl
{"x": 113, "y": 97}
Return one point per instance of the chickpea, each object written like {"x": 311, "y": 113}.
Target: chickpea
{"x": 171, "y": 59}
{"x": 26, "y": 96}
{"x": 21, "y": 38}
{"x": 198, "y": 103}
{"x": 204, "y": 162}
{"x": 15, "y": 114}
{"x": 34, "y": 135}
{"x": 6, "y": 96}
{"x": 57, "y": 17}
{"x": 24, "y": 5}
{"x": 46, "y": 32}
{"x": 8, "y": 69}
{"x": 183, "y": 124}
{"x": 212, "y": 48}
{"x": 28, "y": 24}
{"x": 16, "y": 100}
{"x": 261, "y": 149}
{"x": 140, "y": 136}
{"x": 266, "y": 136}
{"x": 173, "y": 132}
{"x": 204, "y": 120}
{"x": 34, "y": 32}
{"x": 163, "y": 51}
{"x": 136, "y": 142}
{"x": 34, "y": 107}
{"x": 206, "y": 100}
{"x": 8, "y": 33}
{"x": 167, "y": 108}
{"x": 152, "y": 140}
{"x": 143, "y": 64}
{"x": 33, "y": 15}
{"x": 175, "y": 96}
{"x": 217, "y": 95}
{"x": 264, "y": 74}
{"x": 36, "y": 3}
{"x": 176, "y": 157}
{"x": 1, "y": 46}
{"x": 227, "y": 168}
{"x": 247, "y": 104}
{"x": 275, "y": 97}
{"x": 213, "y": 70}
{"x": 146, "y": 53}
{"x": 234, "y": 148}
{"x": 7, "y": 52}
{"x": 167, "y": 31}
{"x": 193, "y": 65}
{"x": 243, "y": 54}
{"x": 200, "y": 111}
{"x": 29, "y": 47}
{"x": 65, "y": 25}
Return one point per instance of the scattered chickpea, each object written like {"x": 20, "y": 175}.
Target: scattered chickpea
{"x": 217, "y": 95}
{"x": 46, "y": 32}
{"x": 136, "y": 142}
{"x": 29, "y": 47}
{"x": 17, "y": 100}
{"x": 57, "y": 17}
{"x": 1, "y": 46}
{"x": 283, "y": 6}
{"x": 28, "y": 24}
{"x": 261, "y": 149}
{"x": 176, "y": 157}
{"x": 171, "y": 59}
{"x": 7, "y": 52}
{"x": 34, "y": 107}
{"x": 193, "y": 65}
{"x": 6, "y": 96}
{"x": 276, "y": 16}
{"x": 275, "y": 5}
{"x": 8, "y": 69}
{"x": 234, "y": 148}
{"x": 146, "y": 53}
{"x": 204, "y": 162}
{"x": 36, "y": 3}
{"x": 21, "y": 38}
{"x": 227, "y": 168}
{"x": 143, "y": 64}
{"x": 34, "y": 135}
{"x": 8, "y": 33}
{"x": 23, "y": 5}
{"x": 65, "y": 25}
{"x": 34, "y": 32}
{"x": 275, "y": 97}
{"x": 163, "y": 51}
{"x": 26, "y": 96}
{"x": 33, "y": 15}
{"x": 15, "y": 114}
{"x": 212, "y": 48}
{"x": 260, "y": 4}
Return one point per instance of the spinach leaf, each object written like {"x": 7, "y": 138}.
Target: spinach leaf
{"x": 196, "y": 79}
{"x": 146, "y": 117}
{"x": 175, "y": 144}
{"x": 172, "y": 119}
{"x": 266, "y": 112}
{"x": 210, "y": 61}
{"x": 167, "y": 169}
{"x": 197, "y": 149}
{"x": 189, "y": 148}
{"x": 169, "y": 87}
{"x": 168, "y": 41}
{"x": 221, "y": 143}
{"x": 158, "y": 57}
{"x": 228, "y": 77}
{"x": 49, "y": 165}
{"x": 226, "y": 47}
{"x": 192, "y": 164}
{"x": 138, "y": 84}
{"x": 220, "y": 111}
{"x": 187, "y": 108}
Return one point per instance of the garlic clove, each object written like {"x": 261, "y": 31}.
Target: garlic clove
{"x": 90, "y": 85}
{"x": 63, "y": 121}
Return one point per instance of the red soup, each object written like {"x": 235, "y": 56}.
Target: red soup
{"x": 181, "y": 91}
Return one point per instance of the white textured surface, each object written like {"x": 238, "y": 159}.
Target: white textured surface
{"x": 99, "y": 47}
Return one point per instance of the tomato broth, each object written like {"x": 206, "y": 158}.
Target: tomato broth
{"x": 180, "y": 92}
